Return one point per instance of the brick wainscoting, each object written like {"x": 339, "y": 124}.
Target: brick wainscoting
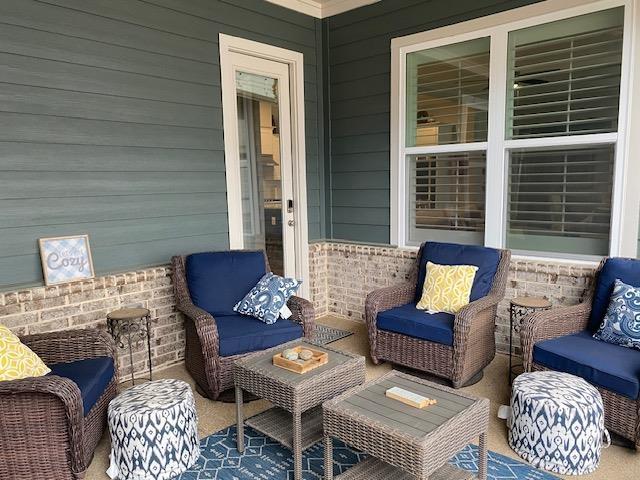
{"x": 341, "y": 275}
{"x": 86, "y": 304}
{"x": 350, "y": 271}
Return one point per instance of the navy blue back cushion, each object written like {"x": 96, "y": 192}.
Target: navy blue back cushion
{"x": 219, "y": 280}
{"x": 486, "y": 259}
{"x": 627, "y": 270}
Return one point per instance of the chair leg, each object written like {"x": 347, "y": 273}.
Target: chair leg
{"x": 472, "y": 381}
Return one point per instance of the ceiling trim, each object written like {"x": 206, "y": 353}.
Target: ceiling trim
{"x": 324, "y": 9}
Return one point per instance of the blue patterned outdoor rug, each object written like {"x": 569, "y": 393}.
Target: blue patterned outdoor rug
{"x": 324, "y": 334}
{"x": 265, "y": 459}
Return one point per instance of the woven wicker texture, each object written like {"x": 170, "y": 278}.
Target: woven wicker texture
{"x": 419, "y": 442}
{"x": 474, "y": 345}
{"x": 214, "y": 373}
{"x": 293, "y": 393}
{"x": 43, "y": 433}
{"x": 621, "y": 414}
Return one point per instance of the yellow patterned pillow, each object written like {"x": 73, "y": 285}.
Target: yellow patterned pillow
{"x": 447, "y": 288}
{"x": 17, "y": 360}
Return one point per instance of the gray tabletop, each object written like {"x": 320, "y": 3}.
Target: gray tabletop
{"x": 263, "y": 363}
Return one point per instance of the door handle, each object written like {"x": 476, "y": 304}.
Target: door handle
{"x": 291, "y": 223}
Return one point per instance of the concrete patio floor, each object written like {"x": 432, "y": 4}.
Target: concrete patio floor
{"x": 617, "y": 462}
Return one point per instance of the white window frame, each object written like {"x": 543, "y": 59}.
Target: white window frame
{"x": 625, "y": 205}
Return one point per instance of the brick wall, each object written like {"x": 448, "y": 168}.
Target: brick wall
{"x": 353, "y": 270}
{"x": 86, "y": 304}
{"x": 341, "y": 275}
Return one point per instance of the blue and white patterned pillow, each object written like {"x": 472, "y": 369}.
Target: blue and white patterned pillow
{"x": 268, "y": 297}
{"x": 621, "y": 323}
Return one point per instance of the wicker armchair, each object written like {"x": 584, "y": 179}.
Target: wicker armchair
{"x": 622, "y": 414}
{"x": 44, "y": 432}
{"x": 473, "y": 345}
{"x": 212, "y": 371}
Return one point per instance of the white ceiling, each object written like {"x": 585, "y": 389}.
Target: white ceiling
{"x": 322, "y": 8}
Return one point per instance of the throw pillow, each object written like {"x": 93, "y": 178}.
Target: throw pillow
{"x": 621, "y": 322}
{"x": 18, "y": 361}
{"x": 268, "y": 298}
{"x": 447, "y": 288}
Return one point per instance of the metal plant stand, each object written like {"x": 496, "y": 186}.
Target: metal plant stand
{"x": 519, "y": 308}
{"x": 128, "y": 327}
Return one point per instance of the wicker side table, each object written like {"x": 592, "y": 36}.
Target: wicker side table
{"x": 405, "y": 442}
{"x": 297, "y": 397}
{"x": 519, "y": 308}
{"x": 128, "y": 326}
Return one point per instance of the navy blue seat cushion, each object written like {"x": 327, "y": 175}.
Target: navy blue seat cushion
{"x": 603, "y": 364}
{"x": 486, "y": 259}
{"x": 625, "y": 269}
{"x": 408, "y": 320}
{"x": 219, "y": 280}
{"x": 91, "y": 375}
{"x": 240, "y": 334}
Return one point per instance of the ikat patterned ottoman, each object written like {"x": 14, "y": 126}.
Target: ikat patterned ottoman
{"x": 557, "y": 422}
{"x": 154, "y": 431}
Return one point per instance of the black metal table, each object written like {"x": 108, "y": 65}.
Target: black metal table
{"x": 519, "y": 308}
{"x": 128, "y": 326}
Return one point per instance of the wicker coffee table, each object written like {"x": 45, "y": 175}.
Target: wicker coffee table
{"x": 297, "y": 397}
{"x": 405, "y": 442}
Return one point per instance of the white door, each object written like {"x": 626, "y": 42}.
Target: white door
{"x": 263, "y": 177}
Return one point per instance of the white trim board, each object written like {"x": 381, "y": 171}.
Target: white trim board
{"x": 322, "y": 9}
{"x": 295, "y": 62}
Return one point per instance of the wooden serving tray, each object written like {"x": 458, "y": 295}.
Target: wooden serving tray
{"x": 301, "y": 366}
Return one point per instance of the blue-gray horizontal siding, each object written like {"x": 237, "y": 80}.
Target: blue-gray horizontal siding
{"x": 111, "y": 125}
{"x": 358, "y": 49}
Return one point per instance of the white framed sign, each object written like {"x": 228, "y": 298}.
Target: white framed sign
{"x": 66, "y": 259}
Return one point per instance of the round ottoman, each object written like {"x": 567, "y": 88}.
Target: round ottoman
{"x": 557, "y": 422}
{"x": 154, "y": 431}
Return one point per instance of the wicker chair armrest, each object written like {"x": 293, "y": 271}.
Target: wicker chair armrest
{"x": 302, "y": 311}
{"x": 71, "y": 345}
{"x": 205, "y": 326}
{"x": 467, "y": 314}
{"x": 547, "y": 324}
{"x": 387, "y": 298}
{"x": 17, "y": 404}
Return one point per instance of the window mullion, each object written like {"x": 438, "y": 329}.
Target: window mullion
{"x": 495, "y": 218}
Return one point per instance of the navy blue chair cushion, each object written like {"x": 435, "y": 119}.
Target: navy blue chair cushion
{"x": 486, "y": 259}
{"x": 408, "y": 320}
{"x": 625, "y": 269}
{"x": 91, "y": 375}
{"x": 603, "y": 364}
{"x": 219, "y": 280}
{"x": 238, "y": 334}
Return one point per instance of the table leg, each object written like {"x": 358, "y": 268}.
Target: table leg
{"x": 133, "y": 378}
{"x": 328, "y": 458}
{"x": 148, "y": 321}
{"x": 239, "y": 420}
{"x": 482, "y": 457}
{"x": 297, "y": 445}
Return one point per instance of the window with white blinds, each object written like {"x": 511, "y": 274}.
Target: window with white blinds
{"x": 559, "y": 200}
{"x": 448, "y": 93}
{"x": 447, "y": 104}
{"x": 513, "y": 131}
{"x": 564, "y": 81}
{"x": 446, "y": 194}
{"x": 564, "y": 76}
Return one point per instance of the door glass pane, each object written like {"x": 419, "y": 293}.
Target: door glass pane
{"x": 447, "y": 94}
{"x": 260, "y": 174}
